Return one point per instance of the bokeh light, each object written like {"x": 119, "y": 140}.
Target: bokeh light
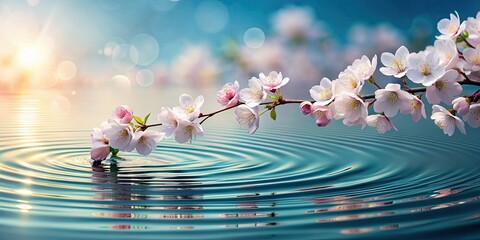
{"x": 211, "y": 16}
{"x": 66, "y": 70}
{"x": 145, "y": 78}
{"x": 254, "y": 37}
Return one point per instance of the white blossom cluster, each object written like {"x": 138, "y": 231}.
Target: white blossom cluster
{"x": 439, "y": 73}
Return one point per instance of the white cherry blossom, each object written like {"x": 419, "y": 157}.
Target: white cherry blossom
{"x": 349, "y": 107}
{"x": 189, "y": 108}
{"x": 446, "y": 121}
{"x": 348, "y": 82}
{"x": 395, "y": 65}
{"x": 390, "y": 99}
{"x": 363, "y": 67}
{"x": 381, "y": 123}
{"x": 323, "y": 93}
{"x": 187, "y": 130}
{"x": 472, "y": 57}
{"x": 444, "y": 89}
{"x": 248, "y": 117}
{"x": 255, "y": 94}
{"x": 145, "y": 141}
{"x": 446, "y": 50}
{"x": 169, "y": 121}
{"x": 450, "y": 28}
{"x": 424, "y": 68}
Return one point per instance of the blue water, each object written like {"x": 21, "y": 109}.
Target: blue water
{"x": 289, "y": 180}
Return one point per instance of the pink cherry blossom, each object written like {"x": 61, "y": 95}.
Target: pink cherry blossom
{"x": 461, "y": 105}
{"x": 415, "y": 107}
{"x": 306, "y": 107}
{"x": 444, "y": 89}
{"x": 446, "y": 121}
{"x": 381, "y": 123}
{"x": 390, "y": 99}
{"x": 123, "y": 114}
{"x": 100, "y": 148}
{"x": 229, "y": 96}
{"x": 273, "y": 81}
{"x": 321, "y": 114}
{"x": 473, "y": 115}
{"x": 120, "y": 135}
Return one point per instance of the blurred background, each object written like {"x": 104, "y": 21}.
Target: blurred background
{"x": 123, "y": 45}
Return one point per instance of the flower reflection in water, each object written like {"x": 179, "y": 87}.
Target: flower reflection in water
{"x": 125, "y": 193}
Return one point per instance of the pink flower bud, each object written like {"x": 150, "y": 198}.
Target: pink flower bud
{"x": 461, "y": 105}
{"x": 123, "y": 114}
{"x": 306, "y": 107}
{"x": 229, "y": 96}
{"x": 322, "y": 115}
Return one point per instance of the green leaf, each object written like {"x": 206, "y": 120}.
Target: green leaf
{"x": 138, "y": 120}
{"x": 146, "y": 118}
{"x": 114, "y": 151}
{"x": 273, "y": 114}
{"x": 273, "y": 97}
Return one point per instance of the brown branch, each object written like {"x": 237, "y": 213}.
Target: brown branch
{"x": 273, "y": 104}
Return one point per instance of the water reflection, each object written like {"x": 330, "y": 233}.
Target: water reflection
{"x": 110, "y": 188}
{"x": 127, "y": 189}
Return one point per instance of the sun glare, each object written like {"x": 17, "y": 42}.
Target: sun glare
{"x": 31, "y": 57}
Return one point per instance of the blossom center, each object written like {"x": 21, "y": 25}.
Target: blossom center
{"x": 397, "y": 65}
{"x": 452, "y": 28}
{"x": 355, "y": 105}
{"x": 190, "y": 109}
{"x": 440, "y": 85}
{"x": 415, "y": 105}
{"x": 439, "y": 124}
{"x": 476, "y": 60}
{"x": 393, "y": 97}
{"x": 325, "y": 93}
{"x": 425, "y": 69}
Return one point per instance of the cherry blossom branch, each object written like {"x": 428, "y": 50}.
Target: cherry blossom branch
{"x": 273, "y": 104}
{"x": 437, "y": 69}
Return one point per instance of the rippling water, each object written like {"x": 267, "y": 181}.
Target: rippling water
{"x": 289, "y": 180}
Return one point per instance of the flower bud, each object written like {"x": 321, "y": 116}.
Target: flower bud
{"x": 123, "y": 114}
{"x": 461, "y": 105}
{"x": 321, "y": 114}
{"x": 306, "y": 107}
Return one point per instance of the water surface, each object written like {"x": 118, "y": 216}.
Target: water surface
{"x": 289, "y": 180}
